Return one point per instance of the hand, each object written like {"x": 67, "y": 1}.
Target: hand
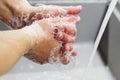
{"x": 55, "y": 36}
{"x": 20, "y": 13}
{"x": 37, "y": 13}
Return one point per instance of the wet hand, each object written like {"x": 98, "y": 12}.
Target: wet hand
{"x": 20, "y": 13}
{"x": 56, "y": 38}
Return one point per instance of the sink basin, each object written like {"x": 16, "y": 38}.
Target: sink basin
{"x": 91, "y": 18}
{"x": 28, "y": 70}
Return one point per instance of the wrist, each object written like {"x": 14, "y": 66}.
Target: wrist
{"x": 34, "y": 32}
{"x": 12, "y": 8}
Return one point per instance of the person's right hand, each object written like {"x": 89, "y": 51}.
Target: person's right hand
{"x": 19, "y": 13}
{"x": 26, "y": 17}
{"x": 55, "y": 37}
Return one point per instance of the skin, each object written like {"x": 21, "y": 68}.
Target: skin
{"x": 18, "y": 42}
{"x": 30, "y": 43}
{"x": 22, "y": 9}
{"x": 48, "y": 45}
{"x": 12, "y": 48}
{"x": 10, "y": 9}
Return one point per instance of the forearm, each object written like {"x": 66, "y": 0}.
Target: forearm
{"x": 11, "y": 8}
{"x": 13, "y": 44}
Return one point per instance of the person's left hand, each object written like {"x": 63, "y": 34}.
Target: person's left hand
{"x": 56, "y": 36}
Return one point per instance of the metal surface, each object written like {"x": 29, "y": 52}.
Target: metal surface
{"x": 110, "y": 44}
{"x": 91, "y": 18}
{"x": 27, "y": 70}
{"x": 114, "y": 44}
{"x": 99, "y": 36}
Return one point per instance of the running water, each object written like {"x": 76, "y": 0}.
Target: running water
{"x": 28, "y": 70}
{"x": 99, "y": 36}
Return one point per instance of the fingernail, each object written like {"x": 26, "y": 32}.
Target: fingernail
{"x": 73, "y": 53}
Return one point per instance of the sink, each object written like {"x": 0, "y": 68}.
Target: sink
{"x": 91, "y": 18}
{"x": 28, "y": 70}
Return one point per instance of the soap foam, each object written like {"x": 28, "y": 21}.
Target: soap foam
{"x": 60, "y": 36}
{"x": 45, "y": 11}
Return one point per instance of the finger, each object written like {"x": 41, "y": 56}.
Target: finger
{"x": 64, "y": 37}
{"x": 73, "y": 53}
{"x": 54, "y": 57}
{"x": 68, "y": 28}
{"x": 65, "y": 59}
{"x": 68, "y": 47}
{"x": 64, "y": 10}
{"x": 50, "y": 10}
{"x": 53, "y": 10}
{"x": 73, "y": 9}
{"x": 69, "y": 18}
{"x": 67, "y": 38}
{"x": 34, "y": 17}
{"x": 32, "y": 14}
{"x": 72, "y": 18}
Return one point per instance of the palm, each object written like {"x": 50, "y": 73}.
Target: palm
{"x": 42, "y": 50}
